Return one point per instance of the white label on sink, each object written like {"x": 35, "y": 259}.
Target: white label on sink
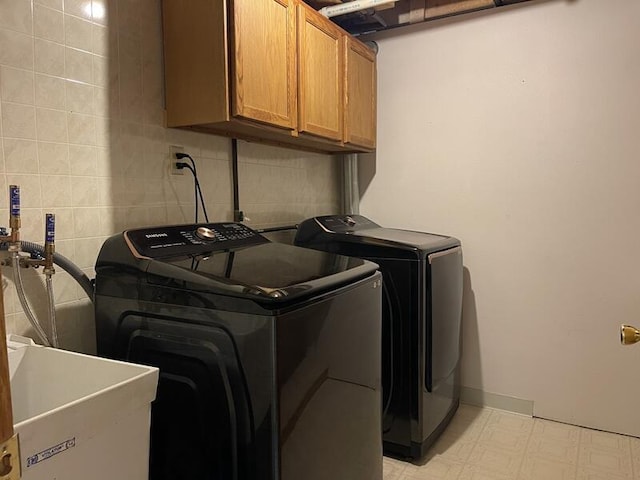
{"x": 50, "y": 452}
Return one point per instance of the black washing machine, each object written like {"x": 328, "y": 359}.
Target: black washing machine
{"x": 421, "y": 315}
{"x": 268, "y": 353}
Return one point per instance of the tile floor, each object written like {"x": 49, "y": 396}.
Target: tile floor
{"x": 488, "y": 444}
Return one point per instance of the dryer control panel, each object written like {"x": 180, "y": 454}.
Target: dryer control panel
{"x": 345, "y": 223}
{"x": 189, "y": 240}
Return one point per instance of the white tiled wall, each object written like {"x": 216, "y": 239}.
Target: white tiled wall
{"x": 81, "y": 90}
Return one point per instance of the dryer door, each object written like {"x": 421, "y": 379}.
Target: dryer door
{"x": 444, "y": 307}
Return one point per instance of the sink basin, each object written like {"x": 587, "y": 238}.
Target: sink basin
{"x": 78, "y": 416}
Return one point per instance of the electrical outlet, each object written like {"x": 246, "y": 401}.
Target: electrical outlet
{"x": 173, "y": 149}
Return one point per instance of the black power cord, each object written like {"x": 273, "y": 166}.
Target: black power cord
{"x": 196, "y": 184}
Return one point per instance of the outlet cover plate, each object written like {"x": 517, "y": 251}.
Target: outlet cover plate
{"x": 173, "y": 149}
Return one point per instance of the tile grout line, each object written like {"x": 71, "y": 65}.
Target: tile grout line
{"x": 526, "y": 448}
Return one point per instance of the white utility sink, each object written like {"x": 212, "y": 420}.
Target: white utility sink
{"x": 80, "y": 417}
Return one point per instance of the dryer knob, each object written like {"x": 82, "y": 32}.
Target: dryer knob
{"x": 205, "y": 233}
{"x": 349, "y": 221}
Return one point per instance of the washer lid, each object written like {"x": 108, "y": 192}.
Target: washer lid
{"x": 223, "y": 258}
{"x": 272, "y": 270}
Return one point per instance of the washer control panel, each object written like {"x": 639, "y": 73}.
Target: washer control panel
{"x": 188, "y": 240}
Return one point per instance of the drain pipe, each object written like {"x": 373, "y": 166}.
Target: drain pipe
{"x": 63, "y": 262}
{"x": 238, "y": 215}
{"x": 38, "y": 251}
{"x": 349, "y": 7}
{"x": 350, "y": 189}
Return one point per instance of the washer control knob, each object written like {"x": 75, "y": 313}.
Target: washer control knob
{"x": 349, "y": 221}
{"x": 205, "y": 233}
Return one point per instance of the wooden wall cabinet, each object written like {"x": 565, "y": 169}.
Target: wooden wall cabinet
{"x": 321, "y": 70}
{"x": 263, "y": 73}
{"x": 272, "y": 71}
{"x": 360, "y": 95}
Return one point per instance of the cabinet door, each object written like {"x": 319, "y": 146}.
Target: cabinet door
{"x": 263, "y": 67}
{"x": 360, "y": 95}
{"x": 321, "y": 67}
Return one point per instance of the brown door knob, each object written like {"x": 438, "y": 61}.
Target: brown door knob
{"x": 629, "y": 335}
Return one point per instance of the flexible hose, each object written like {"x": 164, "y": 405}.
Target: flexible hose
{"x": 52, "y": 311}
{"x": 17, "y": 280}
{"x": 63, "y": 262}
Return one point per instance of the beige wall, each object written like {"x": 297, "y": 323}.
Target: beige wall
{"x": 82, "y": 134}
{"x": 518, "y": 131}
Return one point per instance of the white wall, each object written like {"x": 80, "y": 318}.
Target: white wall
{"x": 82, "y": 132}
{"x": 518, "y": 131}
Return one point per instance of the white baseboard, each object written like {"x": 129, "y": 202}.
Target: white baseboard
{"x": 475, "y": 396}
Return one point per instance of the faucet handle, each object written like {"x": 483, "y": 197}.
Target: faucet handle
{"x": 14, "y": 206}
{"x": 50, "y": 229}
{"x": 49, "y": 243}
